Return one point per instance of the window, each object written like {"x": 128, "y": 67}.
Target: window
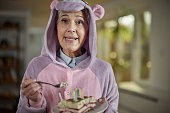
{"x": 145, "y": 60}
{"x": 124, "y": 42}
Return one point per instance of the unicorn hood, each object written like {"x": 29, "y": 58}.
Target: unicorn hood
{"x": 51, "y": 43}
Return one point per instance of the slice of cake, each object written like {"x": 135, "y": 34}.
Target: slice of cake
{"x": 79, "y": 106}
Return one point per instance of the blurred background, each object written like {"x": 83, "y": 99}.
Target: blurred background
{"x": 133, "y": 36}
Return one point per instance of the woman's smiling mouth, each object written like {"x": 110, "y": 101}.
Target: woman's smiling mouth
{"x": 71, "y": 38}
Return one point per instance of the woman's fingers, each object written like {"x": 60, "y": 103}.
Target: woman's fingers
{"x": 102, "y": 100}
{"x": 36, "y": 97}
{"x": 32, "y": 89}
{"x": 27, "y": 81}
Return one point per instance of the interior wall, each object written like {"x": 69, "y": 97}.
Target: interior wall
{"x": 39, "y": 9}
{"x": 160, "y": 38}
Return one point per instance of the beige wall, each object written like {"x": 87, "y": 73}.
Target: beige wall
{"x": 39, "y": 9}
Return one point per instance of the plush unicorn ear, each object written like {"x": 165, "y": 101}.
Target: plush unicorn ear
{"x": 53, "y": 3}
{"x": 98, "y": 11}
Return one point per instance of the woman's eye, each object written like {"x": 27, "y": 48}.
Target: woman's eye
{"x": 64, "y": 20}
{"x": 80, "y": 22}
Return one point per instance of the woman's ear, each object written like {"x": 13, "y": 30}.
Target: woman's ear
{"x": 98, "y": 11}
{"x": 53, "y": 3}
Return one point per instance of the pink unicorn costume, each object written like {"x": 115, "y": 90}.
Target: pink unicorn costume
{"x": 94, "y": 76}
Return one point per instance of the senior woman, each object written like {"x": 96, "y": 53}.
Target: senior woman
{"x": 68, "y": 55}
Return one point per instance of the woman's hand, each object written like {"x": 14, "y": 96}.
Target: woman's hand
{"x": 31, "y": 89}
{"x": 102, "y": 100}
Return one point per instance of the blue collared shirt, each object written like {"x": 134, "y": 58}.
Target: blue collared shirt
{"x": 68, "y": 59}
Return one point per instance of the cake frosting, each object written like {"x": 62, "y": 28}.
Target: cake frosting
{"x": 79, "y": 106}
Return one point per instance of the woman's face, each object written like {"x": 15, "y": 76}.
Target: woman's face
{"x": 72, "y": 31}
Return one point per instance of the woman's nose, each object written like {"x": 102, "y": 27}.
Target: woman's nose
{"x": 71, "y": 28}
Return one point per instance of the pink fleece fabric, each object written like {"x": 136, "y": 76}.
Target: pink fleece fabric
{"x": 76, "y": 79}
{"x": 53, "y": 3}
{"x": 98, "y": 11}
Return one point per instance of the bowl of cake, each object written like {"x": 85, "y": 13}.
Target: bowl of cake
{"x": 81, "y": 105}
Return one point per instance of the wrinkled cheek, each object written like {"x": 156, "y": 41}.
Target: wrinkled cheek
{"x": 61, "y": 30}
